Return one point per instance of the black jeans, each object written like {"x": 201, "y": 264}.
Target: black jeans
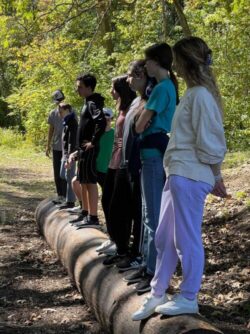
{"x": 61, "y": 184}
{"x": 101, "y": 179}
{"x": 122, "y": 202}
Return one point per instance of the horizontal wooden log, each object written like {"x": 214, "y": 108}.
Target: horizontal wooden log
{"x": 103, "y": 289}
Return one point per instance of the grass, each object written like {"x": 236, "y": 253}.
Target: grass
{"x": 25, "y": 175}
{"x": 26, "y": 172}
{"x": 234, "y": 159}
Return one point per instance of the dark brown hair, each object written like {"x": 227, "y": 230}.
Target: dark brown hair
{"x": 162, "y": 54}
{"x": 89, "y": 80}
{"x": 126, "y": 94}
{"x": 137, "y": 67}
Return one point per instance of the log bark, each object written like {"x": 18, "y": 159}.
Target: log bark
{"x": 103, "y": 289}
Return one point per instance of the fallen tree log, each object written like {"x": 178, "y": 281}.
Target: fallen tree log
{"x": 103, "y": 289}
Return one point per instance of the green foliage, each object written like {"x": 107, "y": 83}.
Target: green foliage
{"x": 46, "y": 44}
{"x": 11, "y": 138}
{"x": 225, "y": 26}
{"x": 241, "y": 194}
{"x": 234, "y": 159}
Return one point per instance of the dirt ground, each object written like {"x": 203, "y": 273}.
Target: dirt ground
{"x": 37, "y": 297}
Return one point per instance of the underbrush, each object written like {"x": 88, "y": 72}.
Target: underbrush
{"x": 14, "y": 143}
{"x": 12, "y": 138}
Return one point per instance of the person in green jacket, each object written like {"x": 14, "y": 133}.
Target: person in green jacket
{"x": 105, "y": 148}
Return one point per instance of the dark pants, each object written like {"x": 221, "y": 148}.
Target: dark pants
{"x": 101, "y": 179}
{"x": 61, "y": 185}
{"x": 122, "y": 202}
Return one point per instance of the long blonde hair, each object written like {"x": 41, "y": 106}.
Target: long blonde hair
{"x": 194, "y": 58}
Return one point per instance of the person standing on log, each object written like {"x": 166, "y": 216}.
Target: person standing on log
{"x": 127, "y": 193}
{"x": 91, "y": 127}
{"x": 105, "y": 151}
{"x": 67, "y": 171}
{"x": 55, "y": 137}
{"x": 102, "y": 161}
{"x": 123, "y": 94}
{"x": 153, "y": 125}
{"x": 130, "y": 168}
{"x": 192, "y": 163}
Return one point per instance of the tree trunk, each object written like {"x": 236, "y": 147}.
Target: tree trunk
{"x": 104, "y": 13}
{"x": 182, "y": 18}
{"x": 164, "y": 20}
{"x": 103, "y": 289}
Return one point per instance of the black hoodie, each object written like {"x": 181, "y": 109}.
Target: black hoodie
{"x": 92, "y": 121}
{"x": 69, "y": 134}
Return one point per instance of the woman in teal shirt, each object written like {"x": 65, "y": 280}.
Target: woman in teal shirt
{"x": 153, "y": 124}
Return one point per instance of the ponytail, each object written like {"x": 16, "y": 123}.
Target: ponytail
{"x": 162, "y": 54}
{"x": 175, "y": 82}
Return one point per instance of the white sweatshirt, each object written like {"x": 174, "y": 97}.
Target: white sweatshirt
{"x": 197, "y": 137}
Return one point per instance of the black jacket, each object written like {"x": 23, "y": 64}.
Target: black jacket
{"x": 69, "y": 134}
{"x": 92, "y": 121}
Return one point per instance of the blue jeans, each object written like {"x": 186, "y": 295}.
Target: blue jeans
{"x": 152, "y": 182}
{"x": 68, "y": 174}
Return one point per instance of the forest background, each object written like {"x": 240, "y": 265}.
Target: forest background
{"x": 45, "y": 44}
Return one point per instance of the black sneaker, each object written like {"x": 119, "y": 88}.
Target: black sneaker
{"x": 66, "y": 205}
{"x": 144, "y": 284}
{"x": 136, "y": 276}
{"x": 78, "y": 219}
{"x": 80, "y": 223}
{"x": 88, "y": 222}
{"x": 113, "y": 259}
{"x": 58, "y": 200}
{"x": 129, "y": 264}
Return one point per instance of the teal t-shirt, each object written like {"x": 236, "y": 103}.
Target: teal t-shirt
{"x": 163, "y": 102}
{"x": 105, "y": 151}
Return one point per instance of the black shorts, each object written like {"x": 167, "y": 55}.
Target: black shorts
{"x": 87, "y": 167}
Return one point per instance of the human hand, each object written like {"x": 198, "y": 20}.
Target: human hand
{"x": 68, "y": 164}
{"x": 47, "y": 152}
{"x": 88, "y": 146}
{"x": 219, "y": 189}
{"x": 72, "y": 157}
{"x": 148, "y": 124}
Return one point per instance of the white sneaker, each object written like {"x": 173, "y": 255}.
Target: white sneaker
{"x": 178, "y": 305}
{"x": 76, "y": 209}
{"x": 148, "y": 307}
{"x": 104, "y": 245}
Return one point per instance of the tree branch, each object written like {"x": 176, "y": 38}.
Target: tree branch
{"x": 96, "y": 31}
{"x": 182, "y": 18}
{"x": 69, "y": 19}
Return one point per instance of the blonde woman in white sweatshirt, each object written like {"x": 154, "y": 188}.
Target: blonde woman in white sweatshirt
{"x": 192, "y": 163}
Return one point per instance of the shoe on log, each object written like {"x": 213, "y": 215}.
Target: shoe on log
{"x": 109, "y": 297}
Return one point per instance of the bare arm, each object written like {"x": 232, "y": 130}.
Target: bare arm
{"x": 143, "y": 120}
{"x": 50, "y": 135}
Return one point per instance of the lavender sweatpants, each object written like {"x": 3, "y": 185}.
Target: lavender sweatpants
{"x": 178, "y": 235}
